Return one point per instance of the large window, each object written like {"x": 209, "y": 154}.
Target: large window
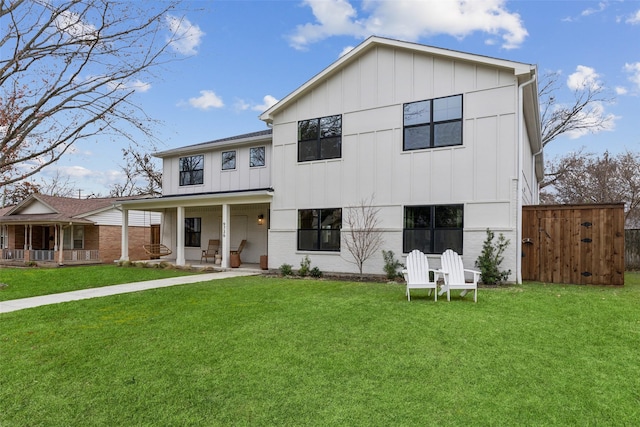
{"x": 433, "y": 123}
{"x": 433, "y": 229}
{"x": 320, "y": 139}
{"x": 73, "y": 237}
{"x": 191, "y": 170}
{"x": 319, "y": 229}
{"x": 192, "y": 232}
{"x": 256, "y": 157}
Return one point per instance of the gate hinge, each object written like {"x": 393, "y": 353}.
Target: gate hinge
{"x": 586, "y": 240}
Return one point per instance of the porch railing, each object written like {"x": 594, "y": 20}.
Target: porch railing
{"x": 13, "y": 254}
{"x": 41, "y": 255}
{"x": 81, "y": 255}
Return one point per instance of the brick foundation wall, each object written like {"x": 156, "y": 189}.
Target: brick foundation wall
{"x": 111, "y": 238}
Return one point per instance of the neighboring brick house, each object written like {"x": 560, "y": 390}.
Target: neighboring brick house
{"x": 87, "y": 230}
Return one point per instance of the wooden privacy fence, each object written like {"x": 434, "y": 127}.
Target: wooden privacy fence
{"x": 632, "y": 249}
{"x": 579, "y": 244}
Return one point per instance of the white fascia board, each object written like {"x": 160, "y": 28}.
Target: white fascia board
{"x": 190, "y": 200}
{"x": 213, "y": 145}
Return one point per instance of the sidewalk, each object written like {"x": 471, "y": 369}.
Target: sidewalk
{"x": 20, "y": 304}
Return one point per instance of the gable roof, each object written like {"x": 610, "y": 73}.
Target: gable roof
{"x": 58, "y": 209}
{"x": 518, "y": 68}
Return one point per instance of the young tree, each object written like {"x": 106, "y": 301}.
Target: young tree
{"x": 362, "y": 236}
{"x": 68, "y": 71}
{"x": 591, "y": 178}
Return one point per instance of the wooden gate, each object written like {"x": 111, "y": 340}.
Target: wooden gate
{"x": 579, "y": 244}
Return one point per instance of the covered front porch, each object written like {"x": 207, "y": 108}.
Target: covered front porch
{"x": 190, "y": 222}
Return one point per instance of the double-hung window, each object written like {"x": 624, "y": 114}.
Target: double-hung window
{"x": 433, "y": 123}
{"x": 192, "y": 170}
{"x": 320, "y": 139}
{"x": 228, "y": 160}
{"x": 192, "y": 232}
{"x": 73, "y": 237}
{"x": 433, "y": 229}
{"x": 319, "y": 229}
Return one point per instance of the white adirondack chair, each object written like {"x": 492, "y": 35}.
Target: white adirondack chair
{"x": 417, "y": 274}
{"x": 454, "y": 275}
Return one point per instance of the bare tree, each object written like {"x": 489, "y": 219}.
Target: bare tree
{"x": 67, "y": 73}
{"x": 363, "y": 236}
{"x": 590, "y": 178}
{"x": 138, "y": 167}
{"x": 583, "y": 114}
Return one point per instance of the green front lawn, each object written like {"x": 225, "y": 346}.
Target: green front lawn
{"x": 265, "y": 351}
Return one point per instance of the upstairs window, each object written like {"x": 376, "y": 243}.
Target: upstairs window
{"x": 320, "y": 139}
{"x": 192, "y": 170}
{"x": 319, "y": 229}
{"x": 433, "y": 229}
{"x": 256, "y": 157}
{"x": 433, "y": 123}
{"x": 228, "y": 160}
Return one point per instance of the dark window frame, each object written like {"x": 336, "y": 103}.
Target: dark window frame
{"x": 192, "y": 232}
{"x": 431, "y": 126}
{"x": 320, "y": 138}
{"x": 433, "y": 229}
{"x": 232, "y": 160}
{"x": 312, "y": 235}
{"x": 191, "y": 170}
{"x": 261, "y": 161}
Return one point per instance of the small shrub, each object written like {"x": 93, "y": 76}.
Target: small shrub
{"x": 315, "y": 272}
{"x": 305, "y": 265}
{"x": 490, "y": 259}
{"x": 286, "y": 269}
{"x": 391, "y": 265}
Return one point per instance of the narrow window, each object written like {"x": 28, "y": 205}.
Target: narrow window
{"x": 256, "y": 157}
{"x": 191, "y": 170}
{"x": 320, "y": 139}
{"x": 433, "y": 123}
{"x": 433, "y": 229}
{"x": 228, "y": 160}
{"x": 319, "y": 229}
{"x": 192, "y": 232}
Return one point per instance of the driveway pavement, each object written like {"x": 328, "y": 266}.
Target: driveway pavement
{"x": 20, "y": 304}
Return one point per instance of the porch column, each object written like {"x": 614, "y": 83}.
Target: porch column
{"x": 26, "y": 237}
{"x": 180, "y": 236}
{"x": 124, "y": 244}
{"x": 226, "y": 237}
{"x": 60, "y": 243}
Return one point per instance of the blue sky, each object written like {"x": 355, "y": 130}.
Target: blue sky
{"x": 238, "y": 57}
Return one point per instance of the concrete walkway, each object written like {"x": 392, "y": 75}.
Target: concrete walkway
{"x": 20, "y": 304}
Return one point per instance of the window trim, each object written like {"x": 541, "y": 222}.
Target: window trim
{"x": 432, "y": 228}
{"x": 319, "y": 230}
{"x": 195, "y": 234}
{"x": 319, "y": 139}
{"x": 264, "y": 157}
{"x": 235, "y": 160}
{"x": 183, "y": 173}
{"x": 432, "y": 124}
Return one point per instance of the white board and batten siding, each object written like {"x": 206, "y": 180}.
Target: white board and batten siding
{"x": 370, "y": 92}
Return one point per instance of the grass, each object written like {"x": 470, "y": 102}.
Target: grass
{"x": 29, "y": 282}
{"x": 260, "y": 351}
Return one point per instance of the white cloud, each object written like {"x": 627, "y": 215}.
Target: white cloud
{"x": 207, "y": 99}
{"x": 621, "y": 90}
{"x": 634, "y": 70}
{"x": 72, "y": 25}
{"x": 584, "y": 77}
{"x": 267, "y": 102}
{"x": 185, "y": 36}
{"x": 137, "y": 85}
{"x": 410, "y": 20}
{"x": 590, "y": 11}
{"x": 345, "y": 51}
{"x": 634, "y": 19}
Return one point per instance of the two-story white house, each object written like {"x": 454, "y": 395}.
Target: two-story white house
{"x": 445, "y": 143}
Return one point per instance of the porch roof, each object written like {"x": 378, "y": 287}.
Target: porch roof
{"x": 263, "y": 195}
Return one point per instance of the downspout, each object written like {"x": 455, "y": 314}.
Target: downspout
{"x": 519, "y": 182}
